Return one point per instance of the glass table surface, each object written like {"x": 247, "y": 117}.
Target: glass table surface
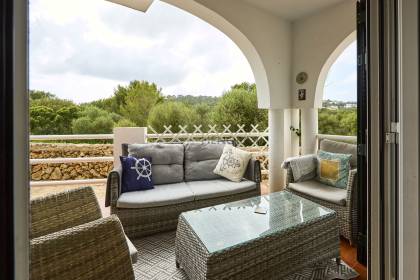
{"x": 222, "y": 226}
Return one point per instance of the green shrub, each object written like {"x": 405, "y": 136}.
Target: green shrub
{"x": 239, "y": 106}
{"x": 174, "y": 114}
{"x": 125, "y": 123}
{"x": 93, "y": 120}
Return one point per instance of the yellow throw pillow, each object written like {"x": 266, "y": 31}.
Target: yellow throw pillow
{"x": 333, "y": 169}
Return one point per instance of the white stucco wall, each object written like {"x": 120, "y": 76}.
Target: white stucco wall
{"x": 317, "y": 40}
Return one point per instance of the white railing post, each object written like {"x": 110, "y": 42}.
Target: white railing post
{"x": 129, "y": 135}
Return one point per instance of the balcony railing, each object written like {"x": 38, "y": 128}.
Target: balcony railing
{"x": 254, "y": 140}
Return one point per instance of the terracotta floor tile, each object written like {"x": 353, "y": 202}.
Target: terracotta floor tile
{"x": 349, "y": 255}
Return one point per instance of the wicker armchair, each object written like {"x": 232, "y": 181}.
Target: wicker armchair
{"x": 344, "y": 203}
{"x": 71, "y": 240}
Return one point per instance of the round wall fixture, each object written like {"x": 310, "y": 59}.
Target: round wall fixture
{"x": 301, "y": 77}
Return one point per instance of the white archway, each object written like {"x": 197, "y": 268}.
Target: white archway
{"x": 271, "y": 67}
{"x": 319, "y": 92}
{"x": 309, "y": 115}
{"x": 247, "y": 48}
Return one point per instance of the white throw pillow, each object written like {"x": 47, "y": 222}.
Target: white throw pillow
{"x": 232, "y": 163}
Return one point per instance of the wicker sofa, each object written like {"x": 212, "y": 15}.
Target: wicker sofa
{"x": 71, "y": 240}
{"x": 343, "y": 201}
{"x": 184, "y": 180}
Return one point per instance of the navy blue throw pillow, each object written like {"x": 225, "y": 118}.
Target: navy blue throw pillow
{"x": 136, "y": 174}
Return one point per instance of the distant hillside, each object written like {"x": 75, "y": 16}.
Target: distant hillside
{"x": 334, "y": 104}
{"x": 194, "y": 100}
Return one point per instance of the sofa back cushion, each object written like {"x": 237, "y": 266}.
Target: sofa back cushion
{"x": 340, "y": 148}
{"x": 200, "y": 160}
{"x": 167, "y": 159}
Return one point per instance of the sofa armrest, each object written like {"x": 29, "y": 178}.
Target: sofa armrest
{"x": 352, "y": 190}
{"x": 253, "y": 171}
{"x": 113, "y": 187}
{"x": 289, "y": 176}
{"x": 63, "y": 210}
{"x": 289, "y": 172}
{"x": 95, "y": 250}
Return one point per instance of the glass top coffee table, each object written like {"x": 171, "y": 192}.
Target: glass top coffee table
{"x": 232, "y": 241}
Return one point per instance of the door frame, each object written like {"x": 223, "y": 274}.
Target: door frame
{"x": 409, "y": 140}
{"x": 362, "y": 132}
{"x": 399, "y": 63}
{"x": 6, "y": 143}
{"x": 14, "y": 140}
{"x": 14, "y": 122}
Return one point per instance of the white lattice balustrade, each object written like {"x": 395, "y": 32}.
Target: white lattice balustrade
{"x": 253, "y": 140}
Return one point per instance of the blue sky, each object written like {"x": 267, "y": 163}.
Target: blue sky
{"x": 341, "y": 83}
{"x": 81, "y": 50}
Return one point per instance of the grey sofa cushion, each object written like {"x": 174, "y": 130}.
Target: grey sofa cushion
{"x": 318, "y": 190}
{"x": 167, "y": 161}
{"x": 219, "y": 187}
{"x": 161, "y": 195}
{"x": 201, "y": 159}
{"x": 341, "y": 148}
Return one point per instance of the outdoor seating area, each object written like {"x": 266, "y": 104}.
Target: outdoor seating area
{"x": 193, "y": 223}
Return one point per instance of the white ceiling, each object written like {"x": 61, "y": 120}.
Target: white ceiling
{"x": 293, "y": 9}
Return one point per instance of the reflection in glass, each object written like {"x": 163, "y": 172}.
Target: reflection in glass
{"x": 225, "y": 225}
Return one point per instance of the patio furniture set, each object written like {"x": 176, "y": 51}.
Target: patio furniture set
{"x": 224, "y": 229}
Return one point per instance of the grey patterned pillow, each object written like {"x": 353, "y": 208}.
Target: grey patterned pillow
{"x": 232, "y": 163}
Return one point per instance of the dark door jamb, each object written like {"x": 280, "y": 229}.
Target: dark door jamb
{"x": 6, "y": 140}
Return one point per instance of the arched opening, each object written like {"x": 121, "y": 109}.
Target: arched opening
{"x": 338, "y": 103}
{"x": 244, "y": 44}
{"x": 319, "y": 92}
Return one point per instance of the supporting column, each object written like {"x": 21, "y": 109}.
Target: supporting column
{"x": 276, "y": 149}
{"x": 309, "y": 123}
{"x": 127, "y": 135}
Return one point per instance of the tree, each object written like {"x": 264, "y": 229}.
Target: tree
{"x": 93, "y": 120}
{"x": 108, "y": 104}
{"x": 338, "y": 121}
{"x": 239, "y": 106}
{"x": 174, "y": 114}
{"x": 45, "y": 120}
{"x": 51, "y": 101}
{"x": 64, "y": 118}
{"x": 50, "y": 114}
{"x": 39, "y": 94}
{"x": 125, "y": 123}
{"x": 137, "y": 99}
{"x": 42, "y": 120}
{"x": 245, "y": 86}
{"x": 194, "y": 100}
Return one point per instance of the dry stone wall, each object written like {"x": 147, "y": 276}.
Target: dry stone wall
{"x": 70, "y": 171}
{"x": 83, "y": 170}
